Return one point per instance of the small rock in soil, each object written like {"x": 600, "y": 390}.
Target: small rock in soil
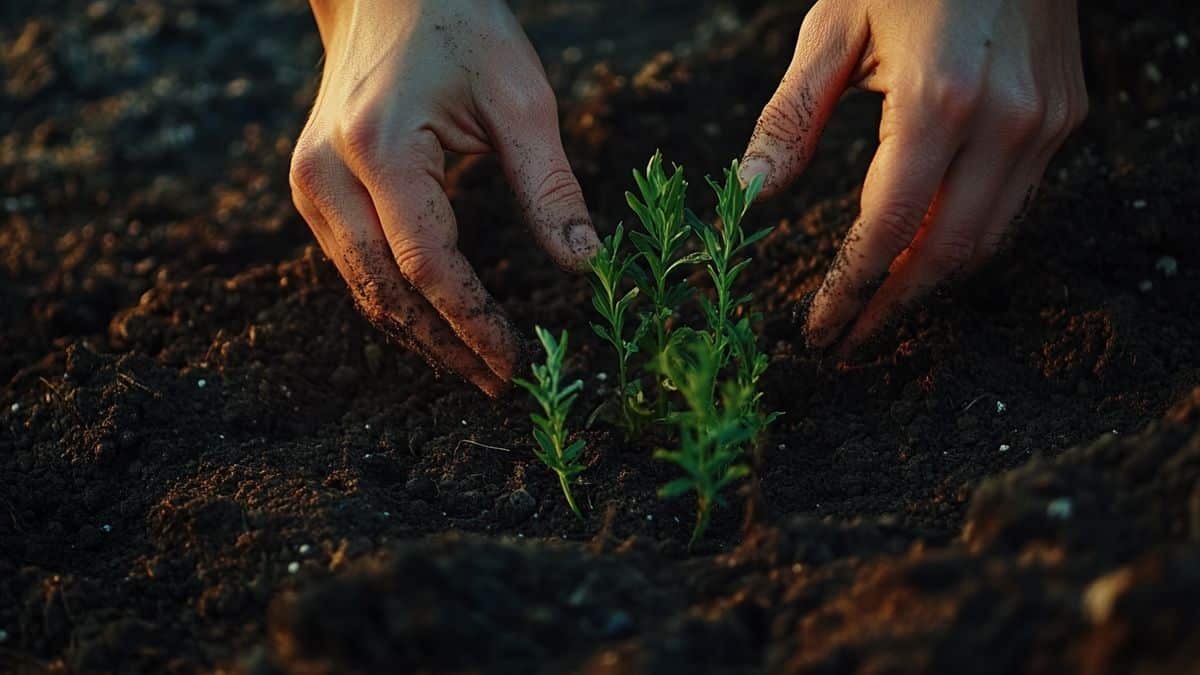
{"x": 517, "y": 506}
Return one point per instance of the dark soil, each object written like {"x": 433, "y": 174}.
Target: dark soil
{"x": 209, "y": 463}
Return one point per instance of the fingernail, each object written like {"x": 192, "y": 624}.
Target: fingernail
{"x": 582, "y": 242}
{"x": 755, "y": 165}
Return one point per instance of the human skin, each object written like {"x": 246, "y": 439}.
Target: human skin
{"x": 404, "y": 82}
{"x": 978, "y": 96}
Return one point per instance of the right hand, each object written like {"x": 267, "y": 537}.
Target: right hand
{"x": 404, "y": 82}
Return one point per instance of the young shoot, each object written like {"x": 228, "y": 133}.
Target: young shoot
{"x": 734, "y": 339}
{"x": 711, "y": 432}
{"x": 549, "y": 427}
{"x": 722, "y": 245}
{"x": 610, "y": 269}
{"x": 661, "y": 247}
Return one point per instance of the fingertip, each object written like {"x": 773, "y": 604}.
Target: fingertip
{"x": 579, "y": 244}
{"x": 754, "y": 165}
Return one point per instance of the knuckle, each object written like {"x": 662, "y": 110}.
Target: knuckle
{"x": 957, "y": 97}
{"x": 420, "y": 264}
{"x": 897, "y": 223}
{"x": 1024, "y": 115}
{"x": 531, "y": 100}
{"x": 308, "y": 172}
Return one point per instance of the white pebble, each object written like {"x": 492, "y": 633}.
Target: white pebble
{"x": 1001, "y": 407}
{"x": 304, "y": 549}
{"x": 1005, "y": 447}
{"x": 367, "y": 456}
{"x": 782, "y": 446}
{"x": 106, "y": 527}
{"x": 1167, "y": 265}
{"x": 649, "y": 516}
{"x": 602, "y": 376}
{"x": 464, "y": 423}
{"x": 201, "y": 383}
{"x": 386, "y": 514}
{"x": 15, "y": 407}
{"x": 1059, "y": 508}
{"x": 293, "y": 567}
{"x": 367, "y": 427}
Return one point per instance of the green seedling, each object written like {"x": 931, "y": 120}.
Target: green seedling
{"x": 711, "y": 432}
{"x": 705, "y": 379}
{"x": 662, "y": 249}
{"x": 734, "y": 340}
{"x": 549, "y": 428}
{"x": 722, "y": 246}
{"x": 610, "y": 270}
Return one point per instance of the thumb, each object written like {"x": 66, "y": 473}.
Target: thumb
{"x": 531, "y": 152}
{"x": 827, "y": 54}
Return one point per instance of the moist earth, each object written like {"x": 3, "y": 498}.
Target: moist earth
{"x": 209, "y": 463}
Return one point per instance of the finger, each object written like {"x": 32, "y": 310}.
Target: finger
{"x": 946, "y": 245}
{"x": 422, "y": 233}
{"x": 912, "y": 158}
{"x": 355, "y": 244}
{"x": 525, "y": 132}
{"x": 827, "y": 53}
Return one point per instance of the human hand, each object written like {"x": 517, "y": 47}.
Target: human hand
{"x": 978, "y": 96}
{"x": 404, "y": 82}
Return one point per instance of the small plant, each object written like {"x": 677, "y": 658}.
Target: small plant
{"x": 661, "y": 248}
{"x": 610, "y": 269}
{"x": 711, "y": 432}
{"x": 705, "y": 380}
{"x": 734, "y": 339}
{"x": 549, "y": 428}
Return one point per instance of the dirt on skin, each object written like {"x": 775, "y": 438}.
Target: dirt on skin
{"x": 209, "y": 463}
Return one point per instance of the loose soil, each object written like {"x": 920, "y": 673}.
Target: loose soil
{"x": 210, "y": 464}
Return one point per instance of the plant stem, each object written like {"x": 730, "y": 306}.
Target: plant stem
{"x": 703, "y": 516}
{"x": 566, "y": 488}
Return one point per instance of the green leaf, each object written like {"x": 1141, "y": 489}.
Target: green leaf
{"x": 571, "y": 453}
{"x": 755, "y": 238}
{"x": 676, "y": 488}
{"x": 543, "y": 440}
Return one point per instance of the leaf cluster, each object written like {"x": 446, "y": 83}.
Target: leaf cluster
{"x": 699, "y": 384}
{"x": 549, "y": 427}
